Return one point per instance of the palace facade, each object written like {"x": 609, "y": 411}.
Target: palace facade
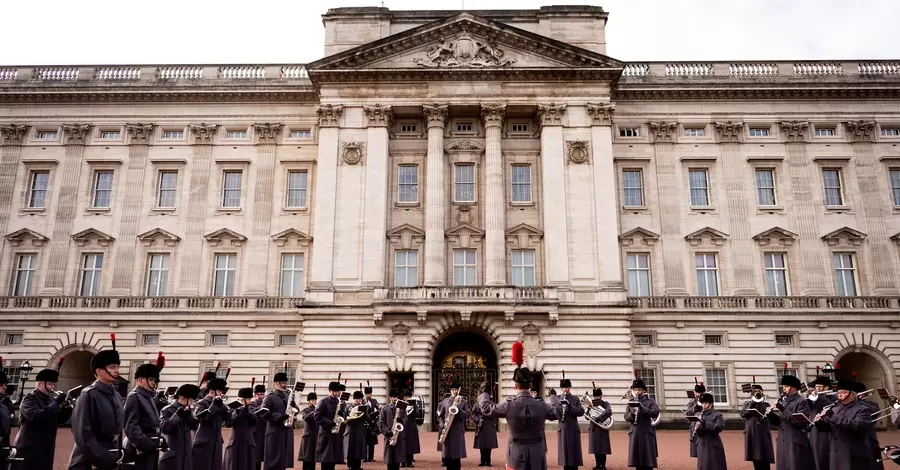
{"x": 442, "y": 184}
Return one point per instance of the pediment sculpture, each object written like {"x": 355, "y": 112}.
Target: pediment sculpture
{"x": 464, "y": 51}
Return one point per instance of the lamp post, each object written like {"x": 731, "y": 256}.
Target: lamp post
{"x": 25, "y": 371}
{"x": 829, "y": 371}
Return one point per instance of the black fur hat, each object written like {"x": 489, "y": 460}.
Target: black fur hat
{"x": 707, "y": 398}
{"x": 245, "y": 393}
{"x": 188, "y": 391}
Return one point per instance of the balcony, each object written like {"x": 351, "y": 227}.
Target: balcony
{"x": 126, "y": 304}
{"x": 469, "y": 294}
{"x": 764, "y": 304}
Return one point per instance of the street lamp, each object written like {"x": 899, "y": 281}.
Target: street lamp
{"x": 829, "y": 371}
{"x": 25, "y": 371}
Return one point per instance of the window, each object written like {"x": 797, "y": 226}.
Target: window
{"x": 287, "y": 340}
{"x": 166, "y": 189}
{"x": 297, "y": 189}
{"x": 519, "y": 127}
{"x": 292, "y": 275}
{"x": 26, "y": 264}
{"x": 699, "y": 183}
{"x": 12, "y": 374}
{"x": 157, "y": 274}
{"x": 895, "y": 185}
{"x": 291, "y": 373}
{"x": 765, "y": 187}
{"x": 633, "y": 185}
{"x": 694, "y": 131}
{"x": 463, "y": 267}
{"x": 103, "y": 181}
{"x": 110, "y": 134}
{"x": 218, "y": 339}
{"x": 521, "y": 183}
{"x": 776, "y": 274}
{"x": 301, "y": 134}
{"x": 712, "y": 340}
{"x": 780, "y": 372}
{"x": 890, "y": 131}
{"x": 231, "y": 189}
{"x": 638, "y": 267}
{"x": 784, "y": 340}
{"x": 464, "y": 127}
{"x": 523, "y": 268}
{"x": 90, "y": 274}
{"x": 759, "y": 132}
{"x": 834, "y": 193}
{"x": 464, "y": 183}
{"x": 707, "y": 274}
{"x": 236, "y": 134}
{"x": 643, "y": 340}
{"x": 46, "y": 135}
{"x": 406, "y": 265}
{"x": 37, "y": 189}
{"x": 825, "y": 132}
{"x": 408, "y": 183}
{"x": 649, "y": 378}
{"x": 717, "y": 385}
{"x": 409, "y": 128}
{"x": 223, "y": 283}
{"x": 149, "y": 339}
{"x": 629, "y": 132}
{"x": 173, "y": 134}
{"x": 12, "y": 339}
{"x": 845, "y": 274}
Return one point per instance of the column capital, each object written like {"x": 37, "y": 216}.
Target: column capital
{"x": 729, "y": 131}
{"x": 602, "y": 113}
{"x": 204, "y": 133}
{"x": 663, "y": 131}
{"x": 329, "y": 114}
{"x": 267, "y": 132}
{"x": 435, "y": 114}
{"x": 860, "y": 131}
{"x": 140, "y": 133}
{"x": 794, "y": 131}
{"x": 551, "y": 114}
{"x": 379, "y": 115}
{"x": 76, "y": 134}
{"x": 13, "y": 134}
{"x": 492, "y": 114}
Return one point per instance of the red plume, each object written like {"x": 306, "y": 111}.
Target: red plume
{"x": 564, "y": 374}
{"x": 636, "y": 376}
{"x": 112, "y": 338}
{"x": 368, "y": 384}
{"x": 785, "y": 368}
{"x": 518, "y": 353}
{"x": 754, "y": 379}
{"x": 227, "y": 373}
{"x": 160, "y": 361}
{"x": 286, "y": 364}
{"x": 339, "y": 377}
{"x": 360, "y": 385}
{"x": 252, "y": 381}
{"x": 60, "y": 363}
{"x": 817, "y": 370}
{"x": 1, "y": 362}
{"x": 594, "y": 384}
{"x": 837, "y": 366}
{"x": 854, "y": 374}
{"x": 695, "y": 381}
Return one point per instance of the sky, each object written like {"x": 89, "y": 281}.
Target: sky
{"x": 99, "y": 32}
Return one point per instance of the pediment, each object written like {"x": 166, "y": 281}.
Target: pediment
{"x": 706, "y": 233}
{"x": 647, "y": 237}
{"x": 464, "y": 235}
{"x": 23, "y": 235}
{"x": 222, "y": 235}
{"x": 84, "y": 237}
{"x": 853, "y": 236}
{"x": 524, "y": 236}
{"x": 775, "y": 235}
{"x": 150, "y": 238}
{"x": 283, "y": 237}
{"x": 406, "y": 236}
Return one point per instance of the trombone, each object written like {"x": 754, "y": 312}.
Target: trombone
{"x": 891, "y": 410}
{"x": 813, "y": 395}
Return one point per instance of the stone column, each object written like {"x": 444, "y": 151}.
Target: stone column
{"x": 263, "y": 201}
{"x": 743, "y": 263}
{"x": 320, "y": 279}
{"x": 75, "y": 136}
{"x": 812, "y": 265}
{"x": 195, "y": 219}
{"x": 128, "y": 244}
{"x": 378, "y": 166}
{"x": 435, "y": 246}
{"x": 12, "y": 136}
{"x": 606, "y": 216}
{"x": 494, "y": 200}
{"x": 671, "y": 234}
{"x": 874, "y": 211}
{"x": 554, "y": 210}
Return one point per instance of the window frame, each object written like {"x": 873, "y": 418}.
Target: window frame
{"x": 694, "y": 131}
{"x": 707, "y": 335}
{"x": 95, "y": 188}
{"x": 12, "y": 374}
{"x": 224, "y": 191}
{"x": 706, "y": 188}
{"x": 237, "y": 134}
{"x": 279, "y": 335}
{"x": 774, "y": 188}
{"x": 784, "y": 270}
{"x": 649, "y": 334}
{"x": 634, "y": 130}
{"x": 626, "y": 189}
{"x": 854, "y": 272}
{"x": 513, "y": 131}
{"x": 639, "y": 270}
{"x": 29, "y": 196}
{"x": 465, "y": 267}
{"x": 293, "y": 271}
{"x": 290, "y": 371}
{"x": 513, "y": 184}
{"x": 14, "y": 288}
{"x": 654, "y": 389}
{"x": 46, "y": 134}
{"x": 522, "y": 267}
{"x": 889, "y": 132}
{"x": 762, "y": 132}
{"x": 300, "y": 131}
{"x": 825, "y": 131}
{"x": 705, "y": 268}
{"x": 162, "y": 273}
{"x": 164, "y": 134}
{"x": 225, "y": 270}
{"x": 210, "y": 341}
{"x": 457, "y": 183}
{"x": 302, "y": 192}
{"x": 109, "y": 134}
{"x": 791, "y": 335}
{"x": 160, "y": 173}
{"x": 401, "y": 184}
{"x": 96, "y": 281}
{"x": 406, "y": 267}
{"x": 895, "y": 190}
{"x": 841, "y": 186}
{"x": 725, "y": 386}
{"x": 142, "y": 338}
{"x": 9, "y": 335}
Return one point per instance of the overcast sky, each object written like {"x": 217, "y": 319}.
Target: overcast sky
{"x": 93, "y": 32}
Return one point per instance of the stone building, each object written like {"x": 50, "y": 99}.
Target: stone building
{"x": 442, "y": 184}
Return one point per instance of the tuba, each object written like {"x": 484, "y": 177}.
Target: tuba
{"x": 594, "y": 409}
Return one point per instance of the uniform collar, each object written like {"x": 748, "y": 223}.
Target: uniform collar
{"x": 105, "y": 388}
{"x": 143, "y": 391}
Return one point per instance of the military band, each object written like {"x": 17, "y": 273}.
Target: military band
{"x": 820, "y": 435}
{"x": 176, "y": 423}
{"x": 279, "y": 441}
{"x": 710, "y": 450}
{"x": 640, "y": 411}
{"x": 371, "y": 424}
{"x": 142, "y": 417}
{"x": 757, "y": 434}
{"x": 485, "y": 439}
{"x": 568, "y": 431}
{"x": 598, "y": 439}
{"x": 259, "y": 431}
{"x": 355, "y": 417}
{"x": 453, "y": 425}
{"x": 414, "y": 412}
{"x": 792, "y": 450}
{"x": 240, "y": 452}
{"x": 212, "y": 413}
{"x": 692, "y": 407}
{"x": 40, "y": 413}
{"x": 329, "y": 443}
{"x": 392, "y": 419}
{"x": 6, "y": 415}
{"x": 307, "y": 453}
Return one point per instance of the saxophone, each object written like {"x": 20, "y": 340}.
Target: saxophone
{"x": 338, "y": 419}
{"x": 291, "y": 410}
{"x": 453, "y": 411}
{"x": 396, "y": 426}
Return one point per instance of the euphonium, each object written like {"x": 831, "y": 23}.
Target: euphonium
{"x": 758, "y": 397}
{"x": 595, "y": 411}
{"x": 356, "y": 412}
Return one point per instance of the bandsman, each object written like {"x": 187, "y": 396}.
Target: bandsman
{"x": 212, "y": 413}
{"x": 692, "y": 407}
{"x": 874, "y": 446}
{"x": 850, "y": 422}
{"x": 757, "y": 435}
{"x": 710, "y": 450}
{"x": 176, "y": 422}
{"x": 485, "y": 431}
{"x": 279, "y": 444}
{"x": 355, "y": 432}
{"x": 240, "y": 453}
{"x": 819, "y": 436}
{"x": 142, "y": 418}
{"x": 411, "y": 432}
{"x": 453, "y": 449}
{"x": 642, "y": 450}
{"x": 793, "y": 451}
{"x": 598, "y": 439}
{"x": 568, "y": 431}
{"x": 310, "y": 433}
{"x": 329, "y": 442}
{"x": 6, "y": 414}
{"x": 40, "y": 413}
{"x": 98, "y": 418}
{"x": 394, "y": 455}
{"x": 372, "y": 430}
{"x": 259, "y": 431}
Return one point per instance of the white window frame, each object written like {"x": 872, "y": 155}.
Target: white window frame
{"x": 407, "y": 188}
{"x": 46, "y": 135}
{"x": 710, "y": 386}
{"x": 212, "y": 340}
{"x": 759, "y": 189}
{"x": 28, "y": 271}
{"x": 695, "y": 131}
{"x": 652, "y": 383}
{"x": 145, "y": 335}
{"x": 229, "y": 272}
{"x": 301, "y": 192}
{"x": 705, "y": 188}
{"x": 224, "y": 201}
{"x": 160, "y": 190}
{"x": 90, "y": 287}
{"x": 792, "y": 340}
{"x": 410, "y": 271}
{"x": 159, "y": 273}
{"x": 301, "y": 133}
{"x": 839, "y": 188}
{"x": 172, "y": 134}
{"x": 894, "y": 182}
{"x": 520, "y": 268}
{"x": 759, "y": 132}
{"x": 457, "y": 183}
{"x": 237, "y": 134}
{"x": 784, "y": 290}
{"x": 710, "y": 339}
{"x": 96, "y": 190}
{"x": 10, "y": 336}
{"x": 524, "y": 187}
{"x": 629, "y": 132}
{"x": 110, "y": 134}
{"x": 280, "y": 337}
{"x": 845, "y": 273}
{"x": 890, "y": 131}
{"x": 705, "y": 269}
{"x": 409, "y": 128}
{"x": 290, "y": 371}
{"x": 651, "y": 340}
{"x": 638, "y": 272}
{"x": 465, "y": 267}
{"x": 639, "y": 189}
{"x": 290, "y": 273}
{"x": 825, "y": 132}
{"x": 30, "y": 200}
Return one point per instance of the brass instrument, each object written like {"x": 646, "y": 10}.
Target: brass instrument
{"x": 758, "y": 396}
{"x": 864, "y": 395}
{"x": 396, "y": 426}
{"x": 356, "y": 412}
{"x": 71, "y": 396}
{"x": 813, "y": 395}
{"x": 890, "y": 453}
{"x": 453, "y": 411}
{"x": 292, "y": 410}
{"x": 338, "y": 419}
{"x": 594, "y": 410}
{"x": 891, "y": 410}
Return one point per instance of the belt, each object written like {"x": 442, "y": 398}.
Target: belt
{"x": 530, "y": 440}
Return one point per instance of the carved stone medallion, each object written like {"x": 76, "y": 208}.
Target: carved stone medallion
{"x": 463, "y": 51}
{"x": 401, "y": 341}
{"x": 532, "y": 339}
{"x": 577, "y": 152}
{"x": 352, "y": 153}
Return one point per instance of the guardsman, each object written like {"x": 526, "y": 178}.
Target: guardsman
{"x": 710, "y": 450}
{"x": 176, "y": 422}
{"x": 98, "y": 418}
{"x": 329, "y": 442}
{"x": 372, "y": 430}
{"x": 259, "y": 431}
{"x": 598, "y": 439}
{"x": 40, "y": 413}
{"x": 819, "y": 436}
{"x": 642, "y": 450}
{"x": 411, "y": 431}
{"x": 850, "y": 422}
{"x": 526, "y": 417}
{"x": 757, "y": 435}
{"x": 485, "y": 431}
{"x": 310, "y": 433}
{"x": 142, "y": 417}
{"x": 279, "y": 445}
{"x": 6, "y": 414}
{"x": 453, "y": 449}
{"x": 691, "y": 408}
{"x": 394, "y": 455}
{"x": 874, "y": 446}
{"x": 240, "y": 452}
{"x": 212, "y": 413}
{"x": 568, "y": 432}
{"x": 536, "y": 394}
{"x": 793, "y": 451}
{"x": 355, "y": 432}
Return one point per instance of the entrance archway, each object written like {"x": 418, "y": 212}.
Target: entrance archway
{"x": 870, "y": 369}
{"x": 467, "y": 356}
{"x": 76, "y": 370}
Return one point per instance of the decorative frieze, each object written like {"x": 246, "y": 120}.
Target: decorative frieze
{"x": 577, "y": 152}
{"x": 463, "y": 51}
{"x": 329, "y": 114}
{"x": 435, "y": 114}
{"x": 204, "y": 133}
{"x": 13, "y": 134}
{"x": 729, "y": 131}
{"x": 267, "y": 133}
{"x": 861, "y": 131}
{"x": 551, "y": 114}
{"x": 492, "y": 114}
{"x": 379, "y": 115}
{"x": 76, "y": 134}
{"x": 601, "y": 114}
{"x": 352, "y": 153}
{"x": 140, "y": 133}
{"x": 794, "y": 131}
{"x": 663, "y": 131}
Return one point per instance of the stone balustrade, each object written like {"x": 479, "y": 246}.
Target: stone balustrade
{"x": 150, "y": 303}
{"x": 764, "y": 303}
{"x": 155, "y": 75}
{"x": 117, "y": 73}
{"x": 466, "y": 294}
{"x": 756, "y": 70}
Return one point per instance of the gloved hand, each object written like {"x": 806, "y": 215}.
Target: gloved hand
{"x": 183, "y": 412}
{"x": 779, "y": 406}
{"x": 60, "y": 399}
{"x": 389, "y": 434}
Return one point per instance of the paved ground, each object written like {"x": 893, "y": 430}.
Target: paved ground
{"x": 673, "y": 451}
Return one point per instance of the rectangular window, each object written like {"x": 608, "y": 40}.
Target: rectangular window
{"x": 759, "y": 132}
{"x": 890, "y": 131}
{"x": 166, "y": 189}
{"x": 784, "y": 340}
{"x": 150, "y": 339}
{"x": 110, "y": 135}
{"x": 408, "y": 183}
{"x": 699, "y": 183}
{"x": 520, "y": 128}
{"x": 765, "y": 187}
{"x": 717, "y": 385}
{"x": 780, "y": 372}
{"x": 231, "y": 188}
{"x": 464, "y": 183}
{"x": 629, "y": 132}
{"x": 638, "y": 267}
{"x": 694, "y": 131}
{"x": 776, "y": 274}
{"x": 90, "y": 274}
{"x": 287, "y": 340}
{"x": 895, "y": 185}
{"x": 37, "y": 189}
{"x": 218, "y": 339}
{"x": 406, "y": 265}
{"x": 292, "y": 275}
{"x": 290, "y": 371}
{"x": 12, "y": 374}
{"x": 12, "y": 339}
{"x": 173, "y": 135}
{"x": 845, "y": 274}
{"x": 712, "y": 340}
{"x": 834, "y": 192}
{"x": 825, "y": 132}
{"x": 236, "y": 134}
{"x": 649, "y": 378}
{"x": 301, "y": 134}
{"x": 463, "y": 267}
{"x": 707, "y": 274}
{"x": 157, "y": 274}
{"x": 409, "y": 128}
{"x": 523, "y": 268}
{"x": 633, "y": 186}
{"x": 297, "y": 184}
{"x": 521, "y": 183}
{"x": 643, "y": 340}
{"x": 26, "y": 265}
{"x": 103, "y": 181}
{"x": 46, "y": 135}
{"x": 464, "y": 127}
{"x": 226, "y": 268}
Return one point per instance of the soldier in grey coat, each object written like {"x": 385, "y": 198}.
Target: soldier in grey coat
{"x": 820, "y": 435}
{"x": 394, "y": 456}
{"x": 212, "y": 413}
{"x": 642, "y": 450}
{"x": 568, "y": 432}
{"x": 329, "y": 444}
{"x": 39, "y": 415}
{"x": 850, "y": 423}
{"x": 598, "y": 438}
{"x": 279, "y": 453}
{"x": 5, "y": 419}
{"x": 98, "y": 418}
{"x": 453, "y": 449}
{"x": 411, "y": 431}
{"x": 142, "y": 419}
{"x": 240, "y": 452}
{"x": 176, "y": 422}
{"x": 259, "y": 432}
{"x": 691, "y": 408}
{"x": 793, "y": 451}
{"x": 710, "y": 450}
{"x": 485, "y": 431}
{"x": 307, "y": 453}
{"x": 873, "y": 407}
{"x": 757, "y": 435}
{"x": 372, "y": 431}
{"x": 355, "y": 434}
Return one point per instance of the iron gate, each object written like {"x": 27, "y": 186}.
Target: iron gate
{"x": 470, "y": 378}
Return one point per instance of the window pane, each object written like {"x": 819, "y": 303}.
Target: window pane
{"x": 521, "y": 183}
{"x": 408, "y": 183}
{"x": 523, "y": 268}
{"x": 292, "y": 275}
{"x": 38, "y": 189}
{"x": 699, "y": 188}
{"x": 231, "y": 189}
{"x": 297, "y": 189}
{"x": 632, "y": 184}
{"x": 25, "y": 266}
{"x": 833, "y": 192}
{"x": 716, "y": 385}
{"x": 895, "y": 186}
{"x": 649, "y": 378}
{"x": 102, "y": 188}
{"x": 765, "y": 187}
{"x": 167, "y": 183}
{"x": 465, "y": 183}
{"x": 638, "y": 274}
{"x": 90, "y": 276}
{"x": 158, "y": 274}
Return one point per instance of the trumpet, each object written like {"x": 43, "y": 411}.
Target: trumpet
{"x": 813, "y": 395}
{"x": 629, "y": 395}
{"x": 891, "y": 410}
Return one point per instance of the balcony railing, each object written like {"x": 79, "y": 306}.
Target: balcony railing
{"x": 466, "y": 293}
{"x": 150, "y": 303}
{"x": 765, "y": 303}
{"x": 769, "y": 70}
{"x": 158, "y": 75}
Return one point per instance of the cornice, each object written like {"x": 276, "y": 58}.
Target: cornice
{"x": 74, "y": 95}
{"x": 624, "y": 93}
{"x": 549, "y": 74}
